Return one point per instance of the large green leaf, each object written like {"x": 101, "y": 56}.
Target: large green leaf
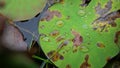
{"x": 78, "y": 35}
{"x": 21, "y": 9}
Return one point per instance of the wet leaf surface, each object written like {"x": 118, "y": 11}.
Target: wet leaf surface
{"x": 66, "y": 33}
{"x": 90, "y": 29}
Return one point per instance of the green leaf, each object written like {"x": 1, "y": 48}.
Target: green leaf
{"x": 21, "y": 9}
{"x": 75, "y": 36}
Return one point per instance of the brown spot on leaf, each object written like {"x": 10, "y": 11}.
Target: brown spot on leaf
{"x": 108, "y": 59}
{"x": 55, "y": 56}
{"x": 68, "y": 17}
{"x": 78, "y": 39}
{"x": 117, "y": 37}
{"x": 42, "y": 26}
{"x": 113, "y": 16}
{"x": 101, "y": 45}
{"x": 62, "y": 1}
{"x": 103, "y": 11}
{"x": 60, "y": 38}
{"x": 54, "y": 33}
{"x": 50, "y": 14}
{"x": 2, "y": 3}
{"x": 64, "y": 43}
{"x": 107, "y": 21}
{"x": 68, "y": 66}
{"x": 85, "y": 64}
{"x": 75, "y": 50}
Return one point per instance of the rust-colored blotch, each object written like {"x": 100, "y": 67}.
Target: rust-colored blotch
{"x": 55, "y": 56}
{"x": 117, "y": 35}
{"x": 101, "y": 45}
{"x": 85, "y": 64}
{"x": 68, "y": 66}
{"x": 54, "y": 33}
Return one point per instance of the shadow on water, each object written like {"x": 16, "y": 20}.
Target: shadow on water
{"x": 29, "y": 29}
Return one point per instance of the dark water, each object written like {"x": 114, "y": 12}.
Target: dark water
{"x": 32, "y": 26}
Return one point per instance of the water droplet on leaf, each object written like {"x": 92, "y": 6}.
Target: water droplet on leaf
{"x": 46, "y": 39}
{"x": 60, "y": 23}
{"x": 81, "y": 12}
{"x": 84, "y": 49}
